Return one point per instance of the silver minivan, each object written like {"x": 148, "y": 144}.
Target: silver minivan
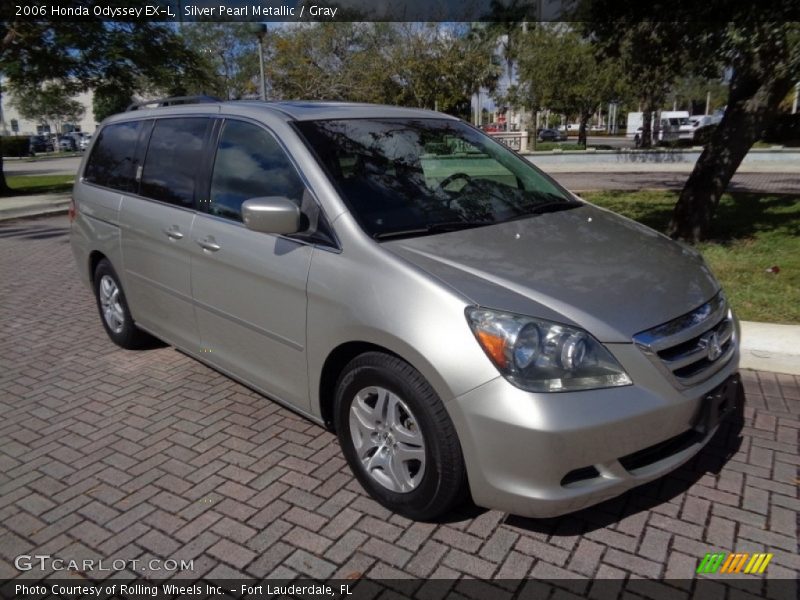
{"x": 464, "y": 324}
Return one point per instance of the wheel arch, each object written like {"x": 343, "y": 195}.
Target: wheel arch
{"x": 95, "y": 256}
{"x": 333, "y": 367}
{"x": 338, "y": 358}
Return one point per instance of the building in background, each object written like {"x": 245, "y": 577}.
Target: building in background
{"x": 12, "y": 123}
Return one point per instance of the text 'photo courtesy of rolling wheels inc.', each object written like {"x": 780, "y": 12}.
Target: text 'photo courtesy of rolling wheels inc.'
{"x": 399, "y": 300}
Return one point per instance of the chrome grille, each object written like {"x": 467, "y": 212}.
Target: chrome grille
{"x": 693, "y": 347}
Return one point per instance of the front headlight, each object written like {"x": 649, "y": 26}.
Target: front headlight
{"x": 541, "y": 356}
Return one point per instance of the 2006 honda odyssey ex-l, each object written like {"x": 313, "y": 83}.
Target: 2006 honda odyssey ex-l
{"x": 463, "y": 323}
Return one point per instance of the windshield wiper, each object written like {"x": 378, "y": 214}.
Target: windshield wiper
{"x": 545, "y": 207}
{"x": 429, "y": 229}
{"x": 553, "y": 206}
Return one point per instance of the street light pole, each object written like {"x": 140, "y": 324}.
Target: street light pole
{"x": 260, "y": 30}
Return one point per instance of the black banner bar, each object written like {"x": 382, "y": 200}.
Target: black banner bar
{"x": 184, "y": 11}
{"x": 75, "y": 588}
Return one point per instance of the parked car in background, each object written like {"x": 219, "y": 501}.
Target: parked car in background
{"x": 85, "y": 141}
{"x": 40, "y": 143}
{"x": 76, "y": 137}
{"x": 466, "y": 326}
{"x": 551, "y": 135}
{"x": 701, "y": 124}
{"x": 67, "y": 144}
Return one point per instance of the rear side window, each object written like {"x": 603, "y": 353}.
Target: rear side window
{"x": 250, "y": 164}
{"x": 111, "y": 163}
{"x": 173, "y": 160}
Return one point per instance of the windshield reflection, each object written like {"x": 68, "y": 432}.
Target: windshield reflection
{"x": 407, "y": 177}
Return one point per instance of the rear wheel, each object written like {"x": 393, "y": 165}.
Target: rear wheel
{"x": 114, "y": 312}
{"x": 398, "y": 438}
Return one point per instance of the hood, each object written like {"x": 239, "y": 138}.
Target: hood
{"x": 584, "y": 266}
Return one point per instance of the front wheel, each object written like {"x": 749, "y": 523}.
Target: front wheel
{"x": 398, "y": 438}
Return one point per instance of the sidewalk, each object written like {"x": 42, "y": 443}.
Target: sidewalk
{"x": 15, "y": 207}
{"x": 771, "y": 347}
{"x": 765, "y": 346}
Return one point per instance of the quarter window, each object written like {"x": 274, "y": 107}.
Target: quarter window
{"x": 250, "y": 164}
{"x": 112, "y": 161}
{"x": 173, "y": 159}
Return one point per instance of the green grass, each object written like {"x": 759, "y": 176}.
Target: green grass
{"x": 545, "y": 146}
{"x": 40, "y": 184}
{"x": 751, "y": 233}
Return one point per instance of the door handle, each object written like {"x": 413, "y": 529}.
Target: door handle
{"x": 208, "y": 244}
{"x": 173, "y": 233}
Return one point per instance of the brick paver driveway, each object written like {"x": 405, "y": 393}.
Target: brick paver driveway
{"x": 106, "y": 453}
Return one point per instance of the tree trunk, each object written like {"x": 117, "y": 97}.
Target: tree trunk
{"x": 750, "y": 109}
{"x": 582, "y": 129}
{"x": 4, "y": 189}
{"x": 647, "y": 129}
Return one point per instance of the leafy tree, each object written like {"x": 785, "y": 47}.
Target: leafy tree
{"x": 505, "y": 29}
{"x": 406, "y": 64}
{"x": 109, "y": 100}
{"x": 438, "y": 67}
{"x": 650, "y": 56}
{"x": 690, "y": 92}
{"x": 84, "y": 54}
{"x": 228, "y": 54}
{"x": 560, "y": 71}
{"x": 761, "y": 51}
{"x": 329, "y": 61}
{"x": 764, "y": 57}
{"x": 49, "y": 104}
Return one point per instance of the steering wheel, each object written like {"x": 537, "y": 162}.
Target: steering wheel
{"x": 453, "y": 177}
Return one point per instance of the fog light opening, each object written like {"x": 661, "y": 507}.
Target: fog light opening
{"x": 579, "y": 475}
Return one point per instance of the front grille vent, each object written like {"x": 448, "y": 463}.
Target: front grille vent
{"x": 693, "y": 347}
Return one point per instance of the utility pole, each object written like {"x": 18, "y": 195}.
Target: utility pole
{"x": 796, "y": 97}
{"x": 708, "y": 102}
{"x": 260, "y": 31}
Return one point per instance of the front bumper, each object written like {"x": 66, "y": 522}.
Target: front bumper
{"x": 543, "y": 455}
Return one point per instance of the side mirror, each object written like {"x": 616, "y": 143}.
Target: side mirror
{"x": 271, "y": 214}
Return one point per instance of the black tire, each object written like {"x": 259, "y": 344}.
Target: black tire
{"x": 128, "y": 336}
{"x": 443, "y": 484}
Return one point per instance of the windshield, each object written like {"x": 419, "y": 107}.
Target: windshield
{"x": 406, "y": 177}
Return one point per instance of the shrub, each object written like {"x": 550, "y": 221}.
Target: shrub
{"x": 15, "y": 145}
{"x": 785, "y": 129}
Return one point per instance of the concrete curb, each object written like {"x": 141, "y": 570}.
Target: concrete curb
{"x": 20, "y": 213}
{"x": 770, "y": 347}
{"x": 18, "y": 207}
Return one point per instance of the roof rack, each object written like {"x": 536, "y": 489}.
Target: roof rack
{"x": 172, "y": 101}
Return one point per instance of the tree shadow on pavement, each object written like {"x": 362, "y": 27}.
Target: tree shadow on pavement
{"x": 33, "y": 232}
